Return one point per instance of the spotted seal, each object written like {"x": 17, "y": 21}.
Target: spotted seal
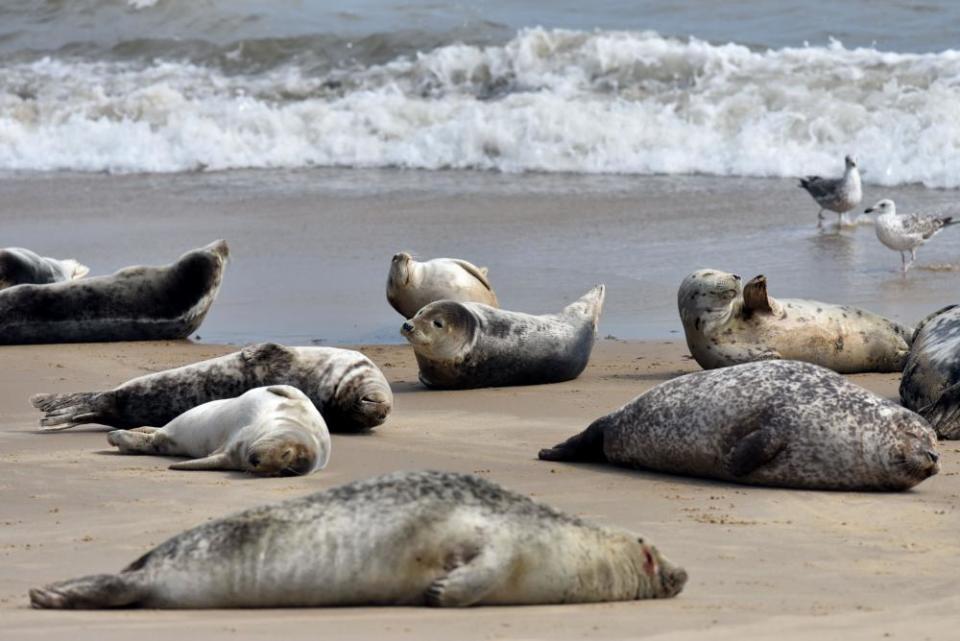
{"x": 726, "y": 324}
{"x": 136, "y": 303}
{"x": 350, "y": 391}
{"x": 931, "y": 378}
{"x": 19, "y": 266}
{"x": 467, "y": 345}
{"x": 269, "y": 431}
{"x": 778, "y": 423}
{"x": 428, "y": 538}
{"x": 412, "y": 284}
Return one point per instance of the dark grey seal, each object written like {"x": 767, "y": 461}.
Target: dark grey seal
{"x": 468, "y": 345}
{"x": 350, "y": 391}
{"x": 931, "y": 378}
{"x": 19, "y": 266}
{"x": 134, "y": 304}
{"x": 409, "y": 538}
{"x": 779, "y": 423}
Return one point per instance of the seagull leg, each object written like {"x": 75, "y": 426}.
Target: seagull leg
{"x": 913, "y": 257}
{"x": 903, "y": 262}
{"x": 820, "y": 218}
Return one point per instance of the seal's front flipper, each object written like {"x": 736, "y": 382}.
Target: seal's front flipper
{"x": 753, "y": 451}
{"x": 467, "y": 584}
{"x": 585, "y": 446}
{"x": 944, "y": 413}
{"x": 91, "y": 592}
{"x": 216, "y": 461}
{"x": 755, "y": 297}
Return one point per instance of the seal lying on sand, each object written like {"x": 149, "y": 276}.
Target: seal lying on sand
{"x": 465, "y": 345}
{"x": 134, "y": 304}
{"x": 781, "y": 423}
{"x": 349, "y": 390}
{"x": 931, "y": 377}
{"x": 726, "y": 325}
{"x": 412, "y": 284}
{"x": 267, "y": 430}
{"x": 20, "y": 266}
{"x": 413, "y": 538}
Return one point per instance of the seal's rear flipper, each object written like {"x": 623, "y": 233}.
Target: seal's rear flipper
{"x": 755, "y": 298}
{"x": 63, "y": 411}
{"x": 216, "y": 461}
{"x": 585, "y": 446}
{"x": 590, "y": 305}
{"x": 74, "y": 269}
{"x": 944, "y": 413}
{"x": 91, "y": 592}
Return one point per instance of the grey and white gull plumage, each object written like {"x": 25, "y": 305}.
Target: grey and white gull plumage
{"x": 839, "y": 195}
{"x": 906, "y": 232}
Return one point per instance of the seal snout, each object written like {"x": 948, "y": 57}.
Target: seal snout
{"x": 406, "y": 328}
{"x": 674, "y": 580}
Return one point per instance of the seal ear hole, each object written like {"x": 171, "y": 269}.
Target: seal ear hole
{"x": 640, "y": 540}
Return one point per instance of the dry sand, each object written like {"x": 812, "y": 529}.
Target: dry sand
{"x": 762, "y": 562}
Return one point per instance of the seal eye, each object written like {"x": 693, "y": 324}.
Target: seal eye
{"x": 438, "y": 324}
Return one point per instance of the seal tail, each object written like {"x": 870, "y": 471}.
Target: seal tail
{"x": 63, "y": 411}
{"x": 91, "y": 592}
{"x": 585, "y": 446}
{"x": 944, "y": 413}
{"x": 590, "y": 305}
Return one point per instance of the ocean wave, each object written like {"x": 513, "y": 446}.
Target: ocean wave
{"x": 546, "y": 101}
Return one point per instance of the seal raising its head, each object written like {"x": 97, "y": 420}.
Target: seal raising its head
{"x": 137, "y": 303}
{"x": 350, "y": 391}
{"x": 464, "y": 345}
{"x": 415, "y": 538}
{"x": 20, "y": 266}
{"x": 412, "y": 284}
{"x": 781, "y": 423}
{"x": 726, "y": 324}
{"x": 268, "y": 431}
{"x": 931, "y": 377}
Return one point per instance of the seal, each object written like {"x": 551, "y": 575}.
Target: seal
{"x": 350, "y": 391}
{"x": 429, "y": 538}
{"x": 468, "y": 345}
{"x": 931, "y": 378}
{"x": 726, "y": 324}
{"x": 134, "y": 304}
{"x": 269, "y": 431}
{"x": 412, "y": 284}
{"x": 19, "y": 266}
{"x": 777, "y": 423}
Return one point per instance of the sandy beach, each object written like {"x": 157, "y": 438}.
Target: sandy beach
{"x": 761, "y": 561}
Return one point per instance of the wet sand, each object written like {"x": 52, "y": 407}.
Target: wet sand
{"x": 762, "y": 562}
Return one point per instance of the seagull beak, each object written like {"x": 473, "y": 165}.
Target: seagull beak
{"x": 869, "y": 210}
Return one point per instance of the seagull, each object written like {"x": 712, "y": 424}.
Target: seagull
{"x": 836, "y": 194}
{"x": 905, "y": 232}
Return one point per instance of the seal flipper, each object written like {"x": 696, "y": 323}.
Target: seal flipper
{"x": 753, "y": 451}
{"x": 216, "y": 461}
{"x": 63, "y": 411}
{"x": 589, "y": 305}
{"x": 944, "y": 413}
{"x": 755, "y": 297}
{"x": 585, "y": 446}
{"x": 91, "y": 592}
{"x": 466, "y": 584}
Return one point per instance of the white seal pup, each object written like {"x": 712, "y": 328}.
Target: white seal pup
{"x": 777, "y": 423}
{"x": 408, "y": 538}
{"x": 350, "y": 391}
{"x": 267, "y": 430}
{"x": 466, "y": 345}
{"x": 19, "y": 266}
{"x": 134, "y": 304}
{"x": 931, "y": 378}
{"x": 839, "y": 195}
{"x": 412, "y": 284}
{"x": 726, "y": 324}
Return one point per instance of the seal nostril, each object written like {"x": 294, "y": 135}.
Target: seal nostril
{"x": 254, "y": 460}
{"x": 407, "y": 327}
{"x": 933, "y": 456}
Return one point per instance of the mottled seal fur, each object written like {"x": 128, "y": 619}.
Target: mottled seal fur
{"x": 19, "y": 266}
{"x": 466, "y": 345}
{"x": 931, "y": 377}
{"x": 412, "y": 284}
{"x": 269, "y": 431}
{"x": 137, "y": 303}
{"x": 726, "y": 324}
{"x": 414, "y": 538}
{"x": 778, "y": 423}
{"x": 350, "y": 391}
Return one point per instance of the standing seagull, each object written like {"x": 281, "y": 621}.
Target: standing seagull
{"x": 836, "y": 194}
{"x": 905, "y": 232}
